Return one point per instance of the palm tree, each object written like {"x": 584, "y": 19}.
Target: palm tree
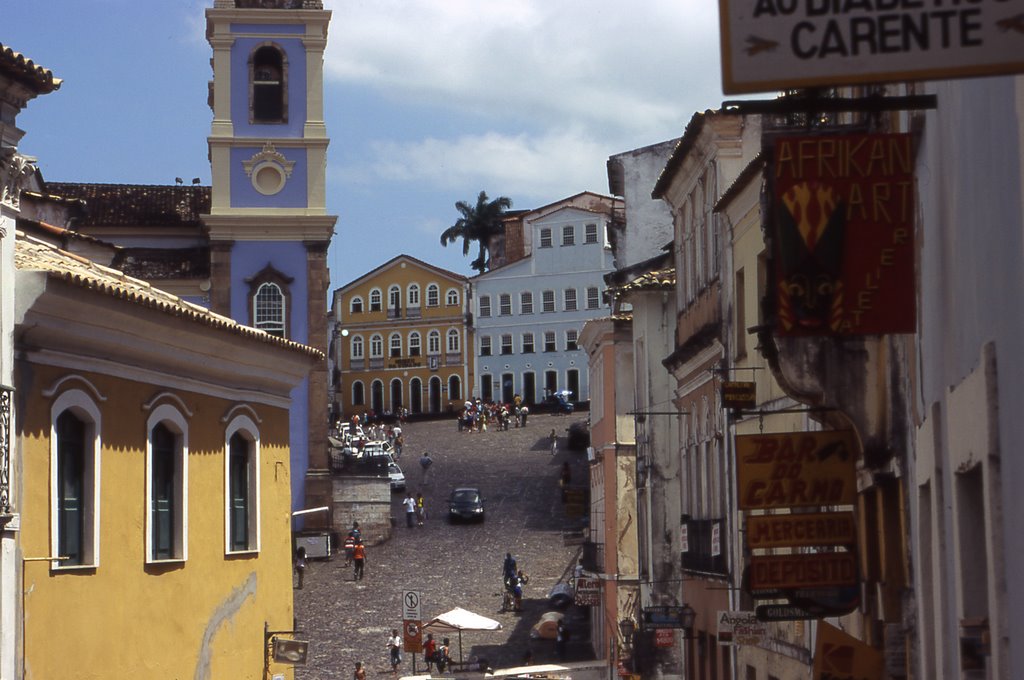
{"x": 479, "y": 223}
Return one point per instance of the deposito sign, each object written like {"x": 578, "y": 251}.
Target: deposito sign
{"x": 815, "y": 570}
{"x": 786, "y": 44}
{"x": 796, "y": 469}
{"x": 800, "y": 530}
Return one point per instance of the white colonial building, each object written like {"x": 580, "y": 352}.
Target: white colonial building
{"x": 528, "y": 313}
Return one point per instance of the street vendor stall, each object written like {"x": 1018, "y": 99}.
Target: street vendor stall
{"x": 459, "y": 619}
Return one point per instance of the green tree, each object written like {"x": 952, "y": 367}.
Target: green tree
{"x": 480, "y": 223}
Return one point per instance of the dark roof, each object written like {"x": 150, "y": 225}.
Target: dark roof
{"x": 24, "y": 70}
{"x": 152, "y": 264}
{"x": 149, "y": 205}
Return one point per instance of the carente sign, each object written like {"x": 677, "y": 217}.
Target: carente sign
{"x": 786, "y": 44}
{"x": 843, "y": 222}
{"x": 796, "y": 469}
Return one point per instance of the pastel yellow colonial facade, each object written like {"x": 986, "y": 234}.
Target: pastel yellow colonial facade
{"x": 401, "y": 340}
{"x": 155, "y": 496}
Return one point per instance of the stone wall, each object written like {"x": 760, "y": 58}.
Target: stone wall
{"x": 366, "y": 500}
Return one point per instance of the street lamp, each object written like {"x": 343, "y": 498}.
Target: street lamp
{"x": 627, "y": 627}
{"x": 687, "y": 617}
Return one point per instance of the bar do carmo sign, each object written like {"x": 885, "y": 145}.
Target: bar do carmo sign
{"x": 785, "y": 44}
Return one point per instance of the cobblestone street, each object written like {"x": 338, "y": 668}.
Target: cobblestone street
{"x": 453, "y": 565}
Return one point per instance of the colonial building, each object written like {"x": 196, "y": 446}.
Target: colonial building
{"x": 253, "y": 246}
{"x": 400, "y": 340}
{"x": 21, "y": 80}
{"x": 154, "y": 440}
{"x": 528, "y": 313}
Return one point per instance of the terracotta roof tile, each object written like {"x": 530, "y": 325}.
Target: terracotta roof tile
{"x": 31, "y": 254}
{"x": 135, "y": 205}
{"x": 163, "y": 263}
{"x": 23, "y": 69}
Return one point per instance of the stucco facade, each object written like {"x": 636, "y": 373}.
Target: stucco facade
{"x": 527, "y": 315}
{"x": 400, "y": 340}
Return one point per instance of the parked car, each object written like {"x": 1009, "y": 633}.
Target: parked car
{"x": 375, "y": 448}
{"x": 559, "y": 403}
{"x": 396, "y": 475}
{"x": 466, "y": 503}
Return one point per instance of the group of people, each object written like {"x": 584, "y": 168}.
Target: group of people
{"x": 355, "y": 552}
{"x": 477, "y": 416}
{"x": 434, "y": 654}
{"x": 513, "y": 579}
{"x": 415, "y": 512}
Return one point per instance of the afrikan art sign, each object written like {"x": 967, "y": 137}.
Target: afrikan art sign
{"x": 796, "y": 469}
{"x": 843, "y": 225}
{"x": 772, "y": 45}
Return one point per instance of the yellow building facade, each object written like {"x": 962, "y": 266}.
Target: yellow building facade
{"x": 155, "y": 497}
{"x": 401, "y": 341}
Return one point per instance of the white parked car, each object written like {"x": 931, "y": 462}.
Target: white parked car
{"x": 396, "y": 475}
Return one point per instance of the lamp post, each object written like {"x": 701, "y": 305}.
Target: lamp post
{"x": 687, "y": 619}
{"x": 627, "y": 629}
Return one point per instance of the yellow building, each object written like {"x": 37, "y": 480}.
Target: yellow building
{"x": 155, "y": 496}
{"x": 401, "y": 340}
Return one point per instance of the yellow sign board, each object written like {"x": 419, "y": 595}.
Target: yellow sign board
{"x": 838, "y": 655}
{"x": 796, "y": 469}
{"x": 800, "y": 530}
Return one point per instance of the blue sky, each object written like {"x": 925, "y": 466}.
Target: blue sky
{"x": 427, "y": 102}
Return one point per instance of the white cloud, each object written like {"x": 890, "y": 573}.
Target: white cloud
{"x": 606, "y": 65}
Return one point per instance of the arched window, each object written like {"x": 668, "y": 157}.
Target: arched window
{"x": 453, "y": 341}
{"x": 414, "y": 344}
{"x": 376, "y": 346}
{"x": 454, "y": 387}
{"x": 394, "y": 297}
{"x": 414, "y": 295}
{"x": 356, "y": 306}
{"x": 242, "y": 474}
{"x": 375, "y": 300}
{"x": 74, "y": 478}
{"x": 357, "y": 347}
{"x": 434, "y": 342}
{"x": 452, "y": 298}
{"x": 358, "y": 393}
{"x": 166, "y": 485}
{"x": 268, "y": 100}
{"x": 269, "y": 309}
{"x": 395, "y": 345}
{"x": 433, "y": 295}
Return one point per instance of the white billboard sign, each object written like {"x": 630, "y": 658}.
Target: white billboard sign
{"x": 740, "y": 628}
{"x": 770, "y": 45}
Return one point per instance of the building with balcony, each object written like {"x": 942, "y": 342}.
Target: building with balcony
{"x": 400, "y": 341}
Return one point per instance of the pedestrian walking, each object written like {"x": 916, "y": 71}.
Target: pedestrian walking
{"x": 425, "y": 462}
{"x": 523, "y": 413}
{"x": 395, "y": 650}
{"x": 410, "y": 510}
{"x": 359, "y": 673}
{"x": 429, "y": 651}
{"x": 421, "y": 511}
{"x": 554, "y": 441}
{"x": 359, "y": 559}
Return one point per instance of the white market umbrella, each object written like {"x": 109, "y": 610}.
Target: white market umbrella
{"x": 460, "y": 619}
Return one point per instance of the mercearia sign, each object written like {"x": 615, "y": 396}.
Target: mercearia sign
{"x": 784, "y": 44}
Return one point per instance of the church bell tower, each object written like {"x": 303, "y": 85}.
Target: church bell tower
{"x": 268, "y": 224}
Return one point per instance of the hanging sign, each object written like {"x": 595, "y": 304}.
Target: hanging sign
{"x": 800, "y": 530}
{"x": 839, "y": 655}
{"x": 796, "y": 469}
{"x": 770, "y": 45}
{"x": 843, "y": 226}
{"x": 814, "y": 570}
{"x": 739, "y": 394}
{"x": 740, "y": 628}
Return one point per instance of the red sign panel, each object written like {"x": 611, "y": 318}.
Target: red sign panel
{"x": 803, "y": 571}
{"x": 664, "y": 638}
{"x": 844, "y": 234}
{"x": 796, "y": 469}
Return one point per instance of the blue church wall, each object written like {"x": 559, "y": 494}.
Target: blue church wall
{"x": 244, "y": 194}
{"x": 296, "y": 56}
{"x": 248, "y": 258}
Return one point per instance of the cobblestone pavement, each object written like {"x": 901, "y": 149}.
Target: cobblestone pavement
{"x": 453, "y": 565}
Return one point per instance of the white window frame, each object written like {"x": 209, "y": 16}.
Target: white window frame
{"x": 550, "y": 340}
{"x": 572, "y": 338}
{"x": 275, "y": 324}
{"x": 376, "y": 300}
{"x": 484, "y": 306}
{"x": 506, "y": 344}
{"x": 394, "y": 342}
{"x": 452, "y": 297}
{"x": 593, "y": 297}
{"x": 394, "y": 296}
{"x": 545, "y": 238}
{"x": 569, "y": 300}
{"x": 243, "y": 424}
{"x": 357, "y": 347}
{"x": 569, "y": 235}
{"x": 529, "y": 341}
{"x": 84, "y": 408}
{"x": 485, "y": 346}
{"x": 505, "y": 304}
{"x": 526, "y": 302}
{"x": 591, "y": 235}
{"x": 433, "y": 295}
{"x": 170, "y": 417}
{"x": 415, "y": 344}
{"x": 413, "y": 295}
{"x": 357, "y": 300}
{"x": 547, "y": 301}
{"x": 454, "y": 341}
{"x": 434, "y": 342}
{"x": 376, "y": 346}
